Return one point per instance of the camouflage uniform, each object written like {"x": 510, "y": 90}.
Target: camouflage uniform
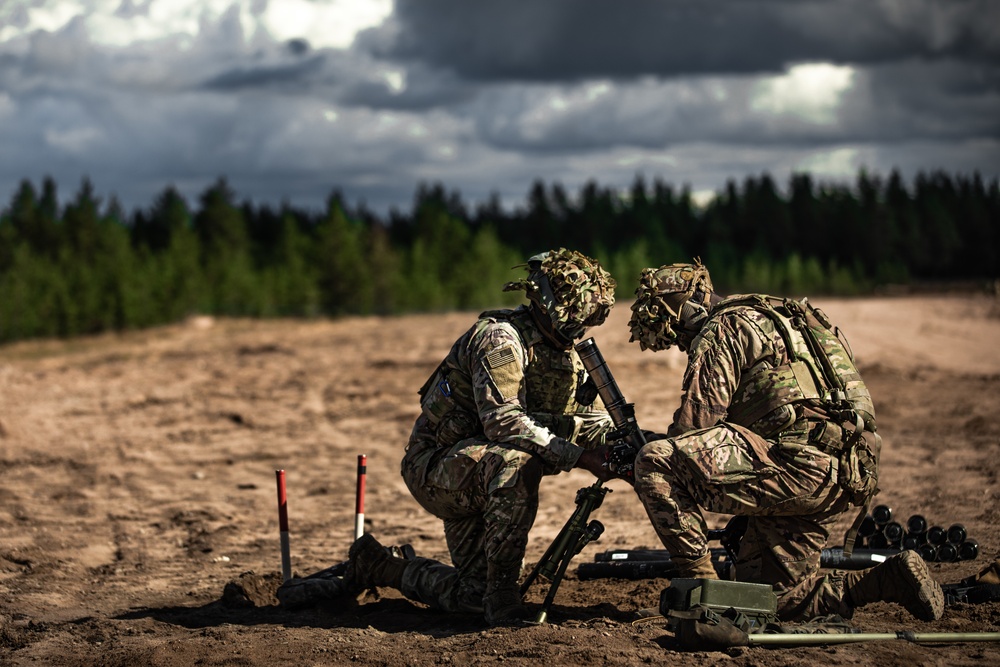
{"x": 498, "y": 414}
{"x": 504, "y": 408}
{"x": 754, "y": 437}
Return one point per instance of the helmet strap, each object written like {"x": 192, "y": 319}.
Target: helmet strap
{"x": 692, "y": 318}
{"x": 548, "y": 329}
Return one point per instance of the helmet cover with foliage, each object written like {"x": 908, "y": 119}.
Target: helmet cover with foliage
{"x": 656, "y": 321}
{"x": 571, "y": 288}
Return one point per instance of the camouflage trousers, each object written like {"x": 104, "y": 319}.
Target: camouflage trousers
{"x": 486, "y": 495}
{"x": 787, "y": 488}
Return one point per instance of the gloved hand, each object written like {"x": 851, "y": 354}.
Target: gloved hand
{"x": 594, "y": 461}
{"x": 620, "y": 460}
{"x": 615, "y": 460}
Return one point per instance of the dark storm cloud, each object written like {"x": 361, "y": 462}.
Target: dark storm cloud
{"x": 487, "y": 97}
{"x": 894, "y": 102}
{"x": 561, "y": 40}
{"x": 946, "y": 101}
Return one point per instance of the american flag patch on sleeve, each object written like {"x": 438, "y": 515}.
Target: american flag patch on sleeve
{"x": 500, "y": 357}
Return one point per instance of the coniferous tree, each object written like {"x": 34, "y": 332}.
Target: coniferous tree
{"x": 124, "y": 298}
{"x": 812, "y": 237}
{"x": 540, "y": 228}
{"x": 719, "y": 250}
{"x": 641, "y": 216}
{"x": 289, "y": 281}
{"x": 339, "y": 259}
{"x": 79, "y": 260}
{"x": 83, "y": 270}
{"x": 170, "y": 257}
{"x": 35, "y": 218}
{"x": 34, "y": 292}
{"x": 595, "y": 220}
{"x": 431, "y": 270}
{"x": 225, "y": 254}
{"x": 480, "y": 272}
{"x": 766, "y": 219}
{"x": 933, "y": 199}
{"x": 978, "y": 255}
{"x": 155, "y": 229}
{"x": 385, "y": 266}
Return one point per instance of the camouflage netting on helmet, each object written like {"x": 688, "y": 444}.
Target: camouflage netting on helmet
{"x": 582, "y": 291}
{"x": 659, "y": 298}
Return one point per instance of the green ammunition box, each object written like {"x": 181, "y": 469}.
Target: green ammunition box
{"x": 756, "y": 602}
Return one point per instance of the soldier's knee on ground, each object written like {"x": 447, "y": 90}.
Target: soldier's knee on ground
{"x": 502, "y": 603}
{"x": 441, "y": 587}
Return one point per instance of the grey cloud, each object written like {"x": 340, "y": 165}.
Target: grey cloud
{"x": 130, "y": 8}
{"x": 220, "y": 60}
{"x": 345, "y": 78}
{"x": 16, "y": 16}
{"x": 925, "y": 101}
{"x": 298, "y": 47}
{"x": 283, "y": 120}
{"x": 283, "y": 75}
{"x": 891, "y": 102}
{"x": 557, "y": 40}
{"x": 138, "y": 118}
{"x": 423, "y": 89}
{"x": 68, "y": 60}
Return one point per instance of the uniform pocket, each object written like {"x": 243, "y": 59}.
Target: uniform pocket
{"x": 727, "y": 454}
{"x": 456, "y": 470}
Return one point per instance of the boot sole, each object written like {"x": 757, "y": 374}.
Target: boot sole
{"x": 929, "y": 592}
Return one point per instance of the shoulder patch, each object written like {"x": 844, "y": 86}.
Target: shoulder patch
{"x": 501, "y": 357}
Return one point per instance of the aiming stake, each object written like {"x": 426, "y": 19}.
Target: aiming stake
{"x": 286, "y": 555}
{"x": 359, "y": 508}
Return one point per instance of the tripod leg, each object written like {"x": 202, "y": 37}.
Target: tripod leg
{"x": 566, "y": 557}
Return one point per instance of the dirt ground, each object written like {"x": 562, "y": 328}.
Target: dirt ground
{"x": 137, "y": 480}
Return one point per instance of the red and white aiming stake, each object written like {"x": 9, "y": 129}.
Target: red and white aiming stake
{"x": 359, "y": 505}
{"x": 286, "y": 555}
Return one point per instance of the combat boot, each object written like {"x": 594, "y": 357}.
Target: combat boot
{"x": 370, "y": 564}
{"x": 903, "y": 579}
{"x": 502, "y": 602}
{"x": 303, "y": 592}
{"x": 695, "y": 568}
{"x": 687, "y": 568}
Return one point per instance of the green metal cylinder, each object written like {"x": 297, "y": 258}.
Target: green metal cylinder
{"x": 793, "y": 639}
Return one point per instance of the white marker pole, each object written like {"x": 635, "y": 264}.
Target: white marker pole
{"x": 286, "y": 554}
{"x": 359, "y": 505}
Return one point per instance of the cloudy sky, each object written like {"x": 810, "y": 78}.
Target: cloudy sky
{"x": 290, "y": 99}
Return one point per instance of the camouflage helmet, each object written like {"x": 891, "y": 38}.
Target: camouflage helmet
{"x": 656, "y": 320}
{"x": 571, "y": 288}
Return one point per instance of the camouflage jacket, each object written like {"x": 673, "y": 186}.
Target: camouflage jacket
{"x": 503, "y": 382}
{"x": 750, "y": 366}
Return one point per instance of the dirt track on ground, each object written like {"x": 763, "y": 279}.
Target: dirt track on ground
{"x": 137, "y": 479}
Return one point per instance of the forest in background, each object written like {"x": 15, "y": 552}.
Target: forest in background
{"x": 88, "y": 266}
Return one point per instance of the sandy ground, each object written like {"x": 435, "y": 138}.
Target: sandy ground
{"x": 137, "y": 480}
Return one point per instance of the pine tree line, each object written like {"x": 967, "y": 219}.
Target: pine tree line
{"x": 87, "y": 267}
